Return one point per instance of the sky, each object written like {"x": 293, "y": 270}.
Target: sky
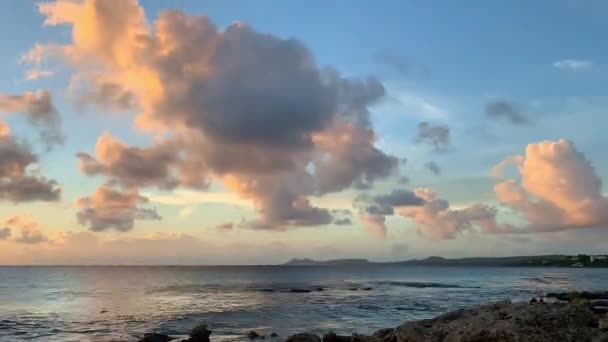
{"x": 243, "y": 132}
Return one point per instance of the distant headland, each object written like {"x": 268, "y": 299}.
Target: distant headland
{"x": 557, "y": 260}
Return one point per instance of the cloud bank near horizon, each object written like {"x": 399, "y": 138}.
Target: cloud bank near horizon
{"x": 258, "y": 115}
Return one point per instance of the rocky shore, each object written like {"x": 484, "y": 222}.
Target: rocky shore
{"x": 563, "y": 317}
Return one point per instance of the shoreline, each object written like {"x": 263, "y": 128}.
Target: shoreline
{"x": 564, "y": 317}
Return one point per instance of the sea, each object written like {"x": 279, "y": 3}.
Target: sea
{"x": 121, "y": 303}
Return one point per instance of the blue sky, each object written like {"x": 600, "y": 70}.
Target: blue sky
{"x": 439, "y": 62}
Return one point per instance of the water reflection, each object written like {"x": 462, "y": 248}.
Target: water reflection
{"x": 104, "y": 303}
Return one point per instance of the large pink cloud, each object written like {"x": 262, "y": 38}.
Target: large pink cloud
{"x": 558, "y": 188}
{"x": 241, "y": 107}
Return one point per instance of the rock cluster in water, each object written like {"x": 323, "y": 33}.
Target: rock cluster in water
{"x": 200, "y": 333}
{"x": 574, "y": 317}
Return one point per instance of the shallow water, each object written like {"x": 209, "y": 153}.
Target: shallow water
{"x": 121, "y": 303}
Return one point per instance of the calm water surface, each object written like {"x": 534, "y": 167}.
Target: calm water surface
{"x": 121, "y": 303}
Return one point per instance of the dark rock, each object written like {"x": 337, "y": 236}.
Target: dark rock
{"x": 200, "y": 333}
{"x": 303, "y": 337}
{"x": 300, "y": 290}
{"x": 578, "y": 296}
{"x": 533, "y": 300}
{"x": 501, "y": 322}
{"x": 274, "y": 335}
{"x": 155, "y": 337}
{"x": 319, "y": 289}
{"x": 368, "y": 288}
{"x": 252, "y": 335}
{"x": 103, "y": 311}
{"x": 332, "y": 337}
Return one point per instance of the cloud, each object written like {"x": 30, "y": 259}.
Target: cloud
{"x": 375, "y": 225}
{"x": 384, "y": 204}
{"x": 573, "y": 64}
{"x": 132, "y": 166}
{"x": 419, "y": 106}
{"x": 433, "y": 167}
{"x": 110, "y": 208}
{"x": 103, "y": 93}
{"x": 162, "y": 248}
{"x": 225, "y": 226}
{"x": 34, "y": 74}
{"x": 39, "y": 109}
{"x": 186, "y": 211}
{"x": 17, "y": 182}
{"x": 434, "y": 217}
{"x": 435, "y": 135}
{"x": 559, "y": 189}
{"x": 5, "y": 233}
{"x": 29, "y": 233}
{"x": 373, "y": 209}
{"x": 181, "y": 197}
{"x": 351, "y": 158}
{"x": 437, "y": 221}
{"x": 498, "y": 169}
{"x": 502, "y": 109}
{"x": 29, "y": 189}
{"x": 5, "y": 130}
{"x": 251, "y": 110}
{"x": 344, "y": 221}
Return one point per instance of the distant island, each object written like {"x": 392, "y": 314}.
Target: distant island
{"x": 581, "y": 260}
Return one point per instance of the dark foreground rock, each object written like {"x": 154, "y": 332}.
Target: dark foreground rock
{"x": 577, "y": 320}
{"x": 200, "y": 333}
{"x": 578, "y": 296}
{"x": 499, "y": 322}
{"x": 154, "y": 337}
{"x": 332, "y": 337}
{"x": 506, "y": 322}
{"x": 303, "y": 337}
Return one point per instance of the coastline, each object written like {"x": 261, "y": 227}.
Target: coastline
{"x": 567, "y": 316}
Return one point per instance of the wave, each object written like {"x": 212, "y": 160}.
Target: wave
{"x": 421, "y": 284}
{"x": 537, "y": 280}
{"x": 205, "y": 288}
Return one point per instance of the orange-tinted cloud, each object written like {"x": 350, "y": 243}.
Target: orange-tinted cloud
{"x": 109, "y": 208}
{"x": 29, "y": 233}
{"x": 18, "y": 183}
{"x": 249, "y": 109}
{"x": 559, "y": 188}
{"x": 39, "y": 109}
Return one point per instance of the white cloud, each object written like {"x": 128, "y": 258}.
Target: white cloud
{"x": 573, "y": 64}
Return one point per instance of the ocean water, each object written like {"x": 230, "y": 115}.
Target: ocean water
{"x": 121, "y": 303}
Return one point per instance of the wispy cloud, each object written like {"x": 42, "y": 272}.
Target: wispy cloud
{"x": 573, "y": 64}
{"x": 34, "y": 74}
{"x": 419, "y": 106}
